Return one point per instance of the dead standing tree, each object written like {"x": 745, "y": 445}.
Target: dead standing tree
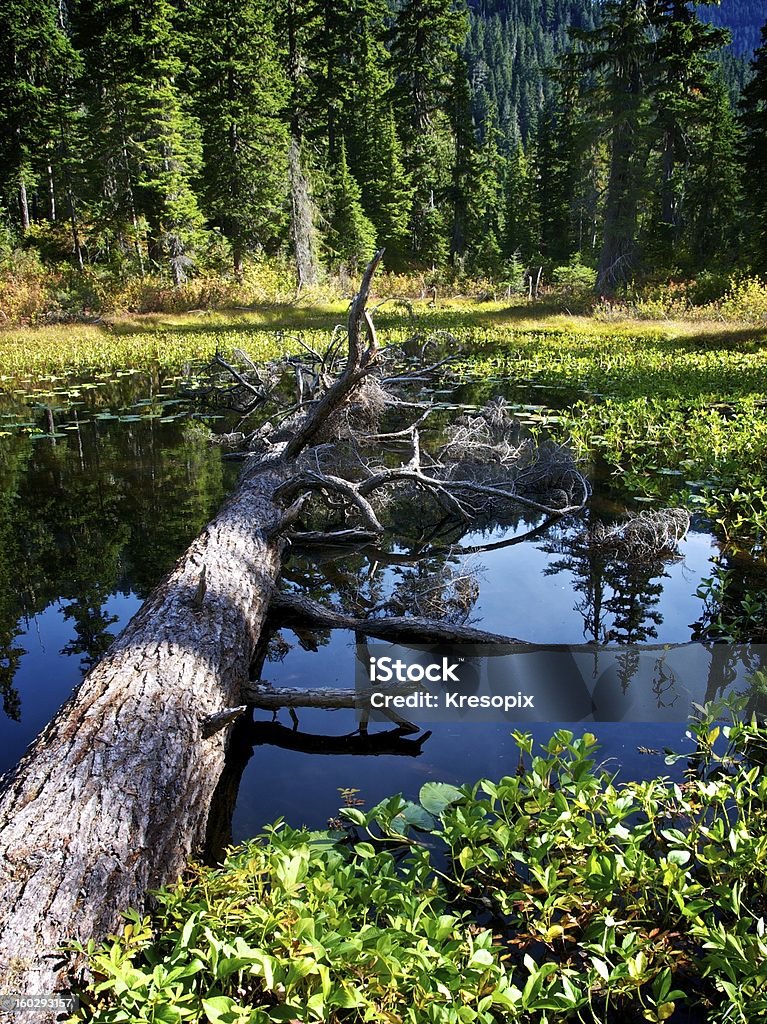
{"x": 112, "y": 798}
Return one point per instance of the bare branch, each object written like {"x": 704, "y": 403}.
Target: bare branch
{"x": 316, "y": 481}
{"x": 358, "y": 364}
{"x": 302, "y": 611}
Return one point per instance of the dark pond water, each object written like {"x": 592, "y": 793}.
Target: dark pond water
{"x": 103, "y": 483}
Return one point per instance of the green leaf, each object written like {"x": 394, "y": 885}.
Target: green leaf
{"x": 436, "y": 796}
{"x": 679, "y": 857}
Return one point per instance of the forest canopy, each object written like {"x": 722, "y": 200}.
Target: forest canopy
{"x": 175, "y": 137}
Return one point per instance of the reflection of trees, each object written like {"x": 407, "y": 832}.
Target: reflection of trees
{"x": 619, "y": 591}
{"x": 106, "y": 510}
{"x": 13, "y": 455}
{"x": 733, "y": 619}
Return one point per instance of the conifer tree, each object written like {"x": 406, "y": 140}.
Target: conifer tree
{"x": 754, "y": 148}
{"x": 387, "y": 195}
{"x": 521, "y": 214}
{"x": 485, "y": 208}
{"x": 560, "y": 165}
{"x": 425, "y": 38}
{"x": 352, "y": 238}
{"x": 618, "y": 52}
{"x": 240, "y": 90}
{"x": 714, "y": 191}
{"x": 681, "y": 104}
{"x": 145, "y": 140}
{"x": 38, "y": 67}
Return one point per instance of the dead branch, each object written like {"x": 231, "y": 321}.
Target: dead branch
{"x": 359, "y": 364}
{"x": 315, "y": 481}
{"x": 291, "y": 610}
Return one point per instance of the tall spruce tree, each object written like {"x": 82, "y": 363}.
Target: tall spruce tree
{"x": 521, "y": 240}
{"x": 425, "y": 38}
{"x": 754, "y": 148}
{"x": 485, "y": 206}
{"x": 387, "y": 194}
{"x": 38, "y": 112}
{"x": 144, "y": 140}
{"x": 240, "y": 90}
{"x": 651, "y": 79}
{"x": 714, "y": 193}
{"x": 352, "y": 238}
{"x": 617, "y": 57}
{"x": 681, "y": 94}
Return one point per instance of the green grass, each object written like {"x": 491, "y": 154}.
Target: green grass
{"x": 683, "y": 398}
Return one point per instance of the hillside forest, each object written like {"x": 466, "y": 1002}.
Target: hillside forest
{"x": 611, "y": 143}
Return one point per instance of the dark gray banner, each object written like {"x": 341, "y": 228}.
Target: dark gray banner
{"x": 438, "y": 683}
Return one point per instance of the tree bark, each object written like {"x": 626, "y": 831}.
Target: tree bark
{"x": 302, "y": 228}
{"x": 112, "y": 798}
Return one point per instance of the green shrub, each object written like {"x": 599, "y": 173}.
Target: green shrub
{"x": 551, "y": 895}
{"x": 575, "y": 278}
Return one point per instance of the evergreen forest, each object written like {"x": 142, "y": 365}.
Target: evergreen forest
{"x": 613, "y": 142}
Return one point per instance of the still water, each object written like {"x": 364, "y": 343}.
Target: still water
{"x": 105, "y": 480}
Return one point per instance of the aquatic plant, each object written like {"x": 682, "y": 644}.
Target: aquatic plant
{"x": 547, "y": 894}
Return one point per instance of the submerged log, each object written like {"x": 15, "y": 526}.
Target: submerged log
{"x": 112, "y": 798}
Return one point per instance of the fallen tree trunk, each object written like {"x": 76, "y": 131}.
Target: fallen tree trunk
{"x": 112, "y": 798}
{"x": 303, "y": 611}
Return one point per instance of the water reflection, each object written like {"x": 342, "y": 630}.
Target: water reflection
{"x": 96, "y": 509}
{"x": 553, "y": 588}
{"x": 91, "y": 518}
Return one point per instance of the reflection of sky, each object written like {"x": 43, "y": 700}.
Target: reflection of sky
{"x": 45, "y": 678}
{"x": 515, "y": 598}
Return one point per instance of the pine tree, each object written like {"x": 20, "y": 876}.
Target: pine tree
{"x": 521, "y": 215}
{"x": 714, "y": 193}
{"x": 754, "y": 123}
{"x": 680, "y": 101}
{"x": 565, "y": 189}
{"x": 38, "y": 113}
{"x": 145, "y": 141}
{"x": 352, "y": 238}
{"x": 240, "y": 90}
{"x": 653, "y": 83}
{"x": 387, "y": 195}
{"x": 464, "y": 160}
{"x": 424, "y": 40}
{"x": 485, "y": 207}
{"x": 619, "y": 53}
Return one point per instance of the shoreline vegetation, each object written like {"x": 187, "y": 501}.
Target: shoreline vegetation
{"x": 554, "y": 894}
{"x": 55, "y": 340}
{"x": 40, "y": 296}
{"x": 669, "y": 407}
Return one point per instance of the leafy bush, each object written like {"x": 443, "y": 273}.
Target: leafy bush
{"x": 746, "y": 300}
{"x": 575, "y": 278}
{"x": 547, "y": 896}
